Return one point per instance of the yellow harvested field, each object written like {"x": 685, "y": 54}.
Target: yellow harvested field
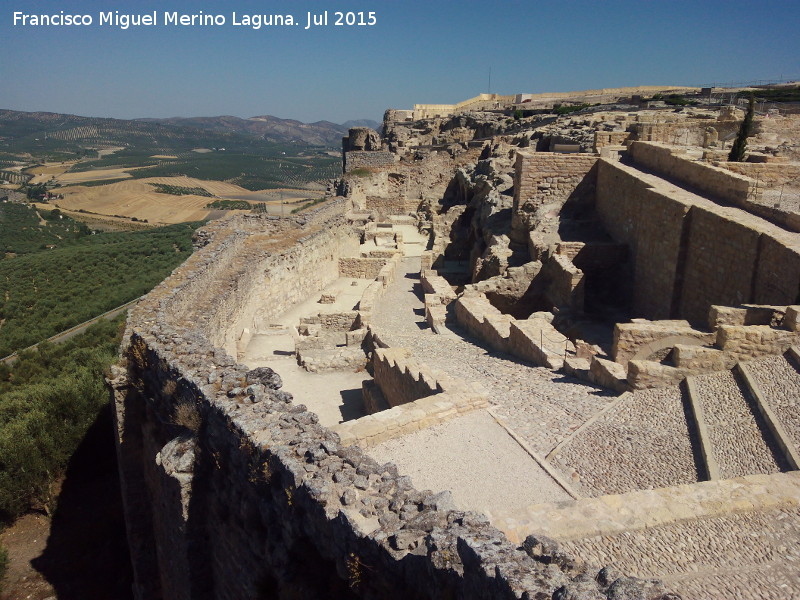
{"x": 45, "y": 172}
{"x": 135, "y": 198}
{"x": 163, "y": 156}
{"x": 94, "y": 175}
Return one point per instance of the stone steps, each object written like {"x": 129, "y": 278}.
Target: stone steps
{"x": 736, "y": 429}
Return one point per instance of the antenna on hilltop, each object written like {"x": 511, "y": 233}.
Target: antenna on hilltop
{"x": 489, "y": 91}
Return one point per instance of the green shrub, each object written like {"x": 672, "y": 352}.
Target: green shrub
{"x": 179, "y": 190}
{"x": 565, "y": 110}
{"x": 3, "y": 565}
{"x": 229, "y": 205}
{"x": 48, "y": 401}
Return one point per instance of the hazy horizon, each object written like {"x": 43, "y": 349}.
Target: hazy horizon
{"x": 416, "y": 52}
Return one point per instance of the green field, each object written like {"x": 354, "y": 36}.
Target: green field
{"x": 45, "y": 291}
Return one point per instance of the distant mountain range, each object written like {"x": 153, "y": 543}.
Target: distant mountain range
{"x": 15, "y": 124}
{"x": 273, "y": 129}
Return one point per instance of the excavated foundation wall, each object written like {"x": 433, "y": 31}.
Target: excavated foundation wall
{"x": 543, "y": 178}
{"x": 689, "y": 252}
{"x": 232, "y": 492}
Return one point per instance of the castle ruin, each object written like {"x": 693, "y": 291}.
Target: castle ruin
{"x": 537, "y": 357}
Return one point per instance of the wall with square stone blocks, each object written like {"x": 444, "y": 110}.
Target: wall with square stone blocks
{"x": 542, "y": 178}
{"x": 689, "y": 252}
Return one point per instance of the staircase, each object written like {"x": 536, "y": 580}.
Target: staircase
{"x": 739, "y": 423}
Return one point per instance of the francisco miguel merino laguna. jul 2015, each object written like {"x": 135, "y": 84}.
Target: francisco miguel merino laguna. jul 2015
{"x": 200, "y": 19}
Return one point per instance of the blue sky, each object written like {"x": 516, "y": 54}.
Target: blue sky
{"x": 418, "y": 52}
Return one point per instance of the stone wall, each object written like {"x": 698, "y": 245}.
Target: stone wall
{"x": 361, "y": 267}
{"x": 533, "y": 339}
{"x": 545, "y": 178}
{"x": 365, "y": 159}
{"x": 714, "y": 181}
{"x": 400, "y": 378}
{"x": 341, "y": 321}
{"x": 766, "y": 174}
{"x": 610, "y": 138}
{"x": 689, "y": 253}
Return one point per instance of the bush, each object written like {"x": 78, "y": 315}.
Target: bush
{"x": 3, "y": 565}
{"x": 48, "y": 401}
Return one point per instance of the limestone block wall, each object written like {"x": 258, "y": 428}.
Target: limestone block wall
{"x": 361, "y": 267}
{"x": 406, "y": 395}
{"x": 566, "y": 282}
{"x": 610, "y": 138}
{"x": 477, "y": 315}
{"x": 754, "y": 340}
{"x": 342, "y": 321}
{"x": 533, "y": 339}
{"x": 640, "y": 339}
{"x": 400, "y": 378}
{"x": 542, "y": 178}
{"x": 715, "y": 241}
{"x": 689, "y": 253}
{"x": 714, "y": 181}
{"x": 766, "y": 174}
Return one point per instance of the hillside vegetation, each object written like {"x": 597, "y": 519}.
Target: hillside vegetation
{"x": 46, "y": 290}
{"x": 159, "y": 149}
{"x": 48, "y": 400}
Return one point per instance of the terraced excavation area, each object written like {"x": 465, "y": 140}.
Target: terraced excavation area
{"x": 597, "y": 472}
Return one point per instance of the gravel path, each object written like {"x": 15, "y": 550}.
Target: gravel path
{"x": 780, "y": 381}
{"x": 641, "y": 443}
{"x": 736, "y": 436}
{"x": 747, "y": 556}
{"x": 541, "y": 406}
{"x": 474, "y": 458}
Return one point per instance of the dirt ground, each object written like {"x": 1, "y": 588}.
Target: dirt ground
{"x": 80, "y": 553}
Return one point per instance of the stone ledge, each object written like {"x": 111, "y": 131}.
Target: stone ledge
{"x": 614, "y": 514}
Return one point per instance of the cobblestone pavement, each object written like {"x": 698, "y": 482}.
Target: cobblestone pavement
{"x": 641, "y": 443}
{"x": 541, "y": 406}
{"x": 736, "y": 435}
{"x": 780, "y": 381}
{"x": 746, "y": 556}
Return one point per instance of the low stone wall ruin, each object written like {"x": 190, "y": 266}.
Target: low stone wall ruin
{"x": 361, "y": 267}
{"x": 534, "y": 339}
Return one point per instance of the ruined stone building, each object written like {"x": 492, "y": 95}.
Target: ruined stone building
{"x": 542, "y": 357}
